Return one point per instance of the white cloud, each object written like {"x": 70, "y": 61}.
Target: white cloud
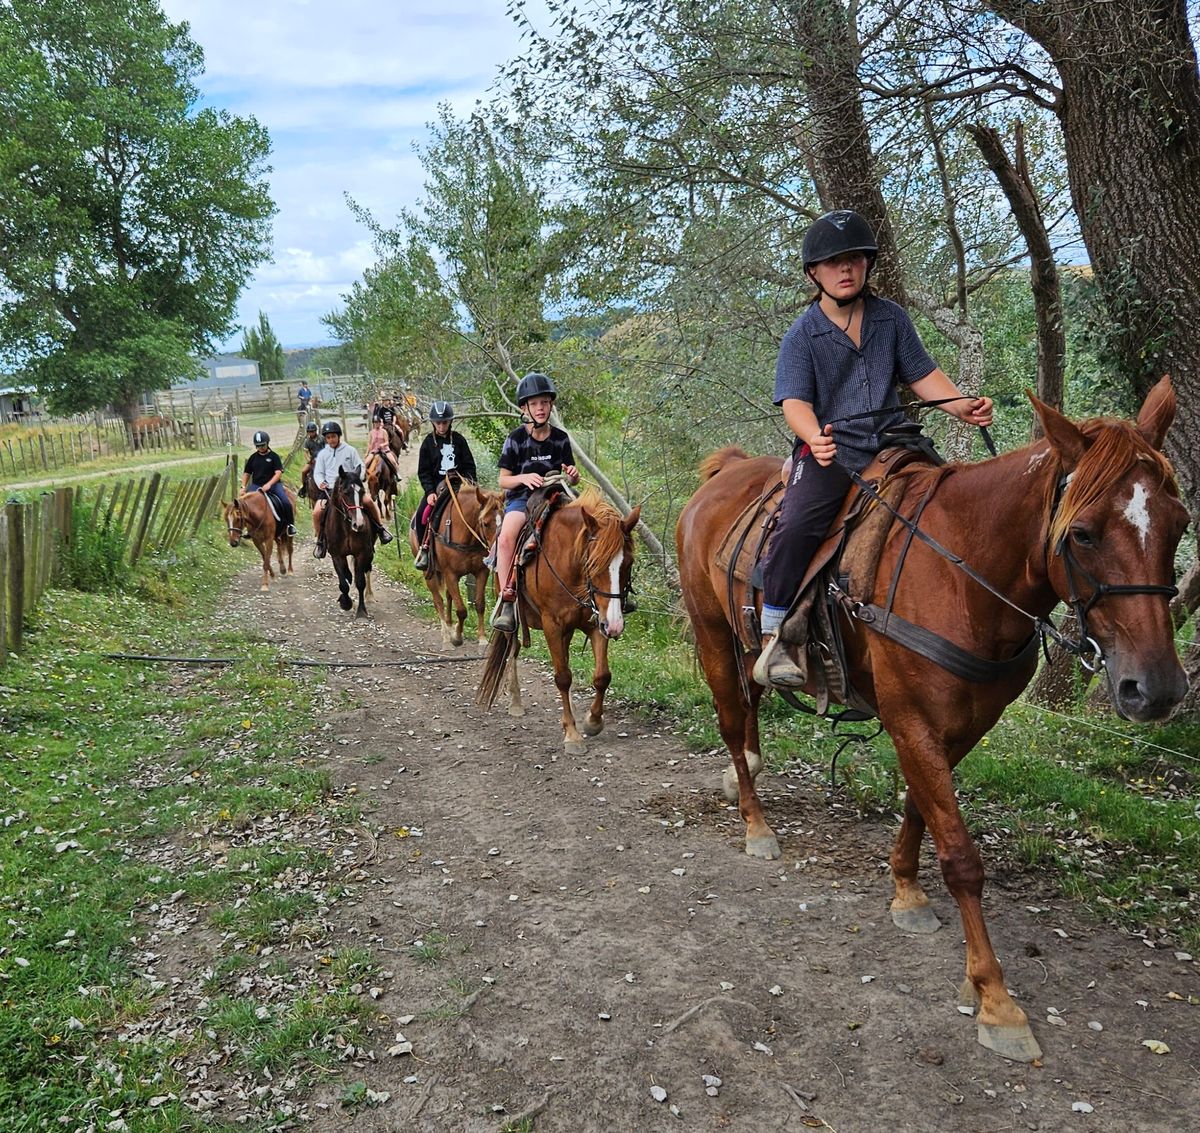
{"x": 344, "y": 89}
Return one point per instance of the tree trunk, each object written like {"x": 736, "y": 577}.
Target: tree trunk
{"x": 1130, "y": 116}
{"x": 1018, "y": 187}
{"x": 837, "y": 130}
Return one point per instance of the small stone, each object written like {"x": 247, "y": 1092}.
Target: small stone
{"x": 1095, "y": 1025}
{"x": 1081, "y": 1107}
{"x": 658, "y": 1093}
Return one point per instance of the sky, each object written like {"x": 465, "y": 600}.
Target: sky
{"x": 344, "y": 88}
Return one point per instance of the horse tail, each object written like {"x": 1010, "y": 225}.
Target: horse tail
{"x": 503, "y": 648}
{"x": 715, "y": 461}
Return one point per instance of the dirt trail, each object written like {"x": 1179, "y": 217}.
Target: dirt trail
{"x": 569, "y": 932}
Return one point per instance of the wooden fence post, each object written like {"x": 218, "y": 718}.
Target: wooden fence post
{"x": 3, "y": 588}
{"x": 15, "y": 582}
{"x": 139, "y": 539}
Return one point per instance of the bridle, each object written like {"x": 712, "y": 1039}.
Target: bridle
{"x": 592, "y": 592}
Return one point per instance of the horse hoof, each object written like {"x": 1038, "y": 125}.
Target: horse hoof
{"x": 764, "y": 847}
{"x": 1016, "y": 1043}
{"x": 516, "y": 710}
{"x": 345, "y": 603}
{"x": 264, "y": 587}
{"x": 921, "y": 919}
{"x": 968, "y": 994}
{"x": 576, "y": 747}
{"x": 593, "y": 729}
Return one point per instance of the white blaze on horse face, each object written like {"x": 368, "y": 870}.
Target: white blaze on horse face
{"x": 1138, "y": 513}
{"x": 615, "y": 621}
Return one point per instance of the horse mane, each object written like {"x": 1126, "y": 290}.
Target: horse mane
{"x": 609, "y": 537}
{"x": 1116, "y": 446}
{"x": 715, "y": 461}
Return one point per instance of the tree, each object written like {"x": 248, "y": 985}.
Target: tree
{"x": 129, "y": 219}
{"x": 260, "y": 344}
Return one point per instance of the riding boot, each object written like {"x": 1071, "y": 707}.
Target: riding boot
{"x": 385, "y": 536}
{"x": 319, "y": 549}
{"x": 421, "y": 562}
{"x": 776, "y": 667}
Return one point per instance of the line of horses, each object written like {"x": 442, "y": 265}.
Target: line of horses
{"x": 1089, "y": 516}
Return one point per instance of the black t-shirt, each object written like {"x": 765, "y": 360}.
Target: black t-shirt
{"x": 522, "y": 453}
{"x": 262, "y": 466}
{"x": 385, "y": 413}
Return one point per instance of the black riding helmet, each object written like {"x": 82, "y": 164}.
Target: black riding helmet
{"x": 260, "y": 439}
{"x": 311, "y": 427}
{"x": 441, "y": 411}
{"x": 834, "y": 234}
{"x": 331, "y": 427}
{"x": 534, "y": 384}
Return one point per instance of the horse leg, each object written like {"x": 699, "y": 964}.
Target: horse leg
{"x": 435, "y": 582}
{"x": 515, "y": 707}
{"x": 558, "y": 642}
{"x": 343, "y": 576}
{"x": 737, "y": 721}
{"x": 455, "y": 598}
{"x": 911, "y": 910}
{"x": 362, "y": 581}
{"x": 601, "y": 679}
{"x": 481, "y": 586}
{"x": 1001, "y": 1025}
{"x": 266, "y": 565}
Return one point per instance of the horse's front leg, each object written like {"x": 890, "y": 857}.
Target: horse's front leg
{"x": 481, "y": 587}
{"x": 454, "y": 598}
{"x": 361, "y": 583}
{"x": 268, "y": 573}
{"x": 911, "y": 910}
{"x": 1001, "y": 1025}
{"x": 343, "y": 577}
{"x": 601, "y": 679}
{"x": 558, "y": 641}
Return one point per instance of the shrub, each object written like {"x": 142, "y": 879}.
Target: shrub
{"x": 95, "y": 559}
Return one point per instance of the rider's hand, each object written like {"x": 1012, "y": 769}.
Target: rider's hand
{"x": 571, "y": 473}
{"x": 823, "y": 447}
{"x": 532, "y": 479}
{"x": 976, "y": 412}
{"x": 431, "y": 498}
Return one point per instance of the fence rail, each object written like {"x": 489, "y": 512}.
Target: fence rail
{"x": 152, "y": 514}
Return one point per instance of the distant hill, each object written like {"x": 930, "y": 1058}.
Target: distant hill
{"x": 337, "y": 357}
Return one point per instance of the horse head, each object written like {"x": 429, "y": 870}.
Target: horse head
{"x": 235, "y": 522}
{"x": 348, "y": 497}
{"x": 1115, "y": 521}
{"x": 608, "y": 561}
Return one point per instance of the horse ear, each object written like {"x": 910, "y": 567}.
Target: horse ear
{"x": 1157, "y": 412}
{"x": 1064, "y": 436}
{"x": 631, "y": 520}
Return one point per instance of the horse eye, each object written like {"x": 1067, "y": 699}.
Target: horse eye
{"x": 1081, "y": 537}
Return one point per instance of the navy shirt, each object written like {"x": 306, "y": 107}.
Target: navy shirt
{"x": 521, "y": 454}
{"x": 819, "y": 363}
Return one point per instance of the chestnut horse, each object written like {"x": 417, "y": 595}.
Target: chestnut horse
{"x": 382, "y": 483}
{"x": 349, "y": 538}
{"x": 468, "y": 525}
{"x": 578, "y": 580}
{"x": 250, "y": 515}
{"x": 1090, "y": 516}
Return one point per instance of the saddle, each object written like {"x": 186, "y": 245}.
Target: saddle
{"x": 440, "y": 504}
{"x": 849, "y": 557}
{"x": 542, "y": 503}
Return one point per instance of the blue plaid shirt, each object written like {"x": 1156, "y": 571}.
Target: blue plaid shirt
{"x": 819, "y": 364}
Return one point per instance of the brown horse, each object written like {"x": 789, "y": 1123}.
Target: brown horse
{"x": 1090, "y": 516}
{"x": 251, "y": 515}
{"x": 382, "y": 483}
{"x": 349, "y": 539}
{"x": 578, "y": 580}
{"x": 468, "y": 525}
{"x": 398, "y": 432}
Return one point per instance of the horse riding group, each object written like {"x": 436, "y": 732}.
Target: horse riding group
{"x": 863, "y": 571}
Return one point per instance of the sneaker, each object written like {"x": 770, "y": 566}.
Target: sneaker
{"x": 490, "y": 559}
{"x": 319, "y": 549}
{"x": 385, "y": 536}
{"x": 506, "y": 618}
{"x": 421, "y": 562}
{"x": 776, "y": 667}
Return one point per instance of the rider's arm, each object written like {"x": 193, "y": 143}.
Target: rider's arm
{"x": 803, "y": 422}
{"x": 936, "y": 385}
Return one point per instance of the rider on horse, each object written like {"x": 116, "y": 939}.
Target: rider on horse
{"x": 379, "y": 445}
{"x": 442, "y": 452}
{"x": 312, "y": 445}
{"x": 334, "y": 456}
{"x": 530, "y": 452}
{"x": 264, "y": 469}
{"x": 839, "y": 359}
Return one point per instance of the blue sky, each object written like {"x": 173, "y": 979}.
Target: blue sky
{"x": 345, "y": 88}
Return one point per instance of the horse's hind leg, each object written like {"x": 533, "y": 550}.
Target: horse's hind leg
{"x": 480, "y": 596}
{"x": 911, "y": 910}
{"x": 515, "y": 707}
{"x": 454, "y": 599}
{"x": 601, "y": 679}
{"x": 558, "y": 642}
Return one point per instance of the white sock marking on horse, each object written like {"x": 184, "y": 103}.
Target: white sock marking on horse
{"x": 1137, "y": 513}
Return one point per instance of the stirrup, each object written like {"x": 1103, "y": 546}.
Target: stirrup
{"x": 777, "y": 668}
{"x": 505, "y": 619}
{"x": 421, "y": 562}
